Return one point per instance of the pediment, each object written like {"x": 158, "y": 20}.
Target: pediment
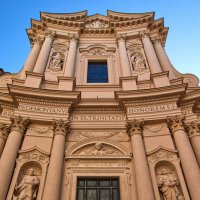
{"x": 100, "y": 149}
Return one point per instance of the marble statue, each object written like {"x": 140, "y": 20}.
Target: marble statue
{"x": 28, "y": 187}
{"x": 167, "y": 184}
{"x": 138, "y": 62}
{"x": 56, "y": 62}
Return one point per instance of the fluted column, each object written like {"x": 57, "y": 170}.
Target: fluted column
{"x": 30, "y": 62}
{"x": 4, "y": 130}
{"x": 125, "y": 66}
{"x": 150, "y": 53}
{"x": 188, "y": 161}
{"x": 194, "y": 136}
{"x": 71, "y": 57}
{"x": 9, "y": 155}
{"x": 44, "y": 52}
{"x": 163, "y": 58}
{"x": 55, "y": 169}
{"x": 143, "y": 178}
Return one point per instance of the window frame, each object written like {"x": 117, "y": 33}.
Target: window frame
{"x": 98, "y": 61}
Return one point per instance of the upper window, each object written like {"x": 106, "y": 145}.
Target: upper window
{"x": 97, "y": 72}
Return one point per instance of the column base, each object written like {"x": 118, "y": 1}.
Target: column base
{"x": 128, "y": 83}
{"x": 33, "y": 79}
{"x": 66, "y": 83}
{"x": 160, "y": 79}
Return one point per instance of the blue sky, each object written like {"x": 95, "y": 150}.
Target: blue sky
{"x": 181, "y": 16}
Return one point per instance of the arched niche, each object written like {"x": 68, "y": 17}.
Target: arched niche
{"x": 165, "y": 158}
{"x": 21, "y": 185}
{"x": 33, "y": 158}
{"x": 168, "y": 182}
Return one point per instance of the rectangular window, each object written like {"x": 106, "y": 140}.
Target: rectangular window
{"x": 97, "y": 72}
{"x": 98, "y": 189}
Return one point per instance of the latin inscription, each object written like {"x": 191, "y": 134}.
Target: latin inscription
{"x": 43, "y": 109}
{"x": 146, "y": 109}
{"x": 97, "y": 118}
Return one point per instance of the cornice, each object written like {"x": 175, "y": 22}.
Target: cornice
{"x": 45, "y": 94}
{"x": 151, "y": 93}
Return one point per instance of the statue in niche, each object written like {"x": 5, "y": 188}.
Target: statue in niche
{"x": 56, "y": 62}
{"x": 167, "y": 184}
{"x": 28, "y": 187}
{"x": 138, "y": 62}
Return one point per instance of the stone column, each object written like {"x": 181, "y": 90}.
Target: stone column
{"x": 4, "y": 130}
{"x": 71, "y": 57}
{"x": 143, "y": 179}
{"x": 125, "y": 66}
{"x": 30, "y": 62}
{"x": 44, "y": 52}
{"x": 150, "y": 53}
{"x": 163, "y": 59}
{"x": 186, "y": 154}
{"x": 194, "y": 136}
{"x": 10, "y": 152}
{"x": 55, "y": 169}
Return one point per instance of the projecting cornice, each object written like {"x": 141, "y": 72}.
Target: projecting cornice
{"x": 154, "y": 93}
{"x": 43, "y": 94}
{"x": 97, "y": 23}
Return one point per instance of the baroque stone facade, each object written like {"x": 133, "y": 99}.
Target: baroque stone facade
{"x": 139, "y": 126}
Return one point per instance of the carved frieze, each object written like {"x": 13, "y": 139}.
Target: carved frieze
{"x": 8, "y": 111}
{"x": 157, "y": 129}
{"x": 40, "y": 131}
{"x": 97, "y": 51}
{"x": 81, "y": 135}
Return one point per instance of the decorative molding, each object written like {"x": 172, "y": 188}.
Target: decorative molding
{"x": 154, "y": 130}
{"x": 33, "y": 154}
{"x": 40, "y": 131}
{"x": 97, "y": 24}
{"x": 98, "y": 135}
{"x": 162, "y": 154}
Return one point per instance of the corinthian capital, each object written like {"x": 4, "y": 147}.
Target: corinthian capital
{"x": 4, "y": 131}
{"x": 176, "y": 123}
{"x": 144, "y": 34}
{"x": 19, "y": 124}
{"x": 60, "y": 127}
{"x": 135, "y": 127}
{"x": 37, "y": 40}
{"x": 50, "y": 34}
{"x": 192, "y": 129}
{"x": 73, "y": 36}
{"x": 121, "y": 37}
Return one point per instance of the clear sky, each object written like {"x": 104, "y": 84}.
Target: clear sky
{"x": 181, "y": 16}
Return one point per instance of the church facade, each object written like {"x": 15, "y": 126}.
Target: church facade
{"x": 98, "y": 112}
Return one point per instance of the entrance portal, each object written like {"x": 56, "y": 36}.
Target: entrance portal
{"x": 98, "y": 189}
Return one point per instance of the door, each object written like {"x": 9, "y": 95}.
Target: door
{"x": 98, "y": 189}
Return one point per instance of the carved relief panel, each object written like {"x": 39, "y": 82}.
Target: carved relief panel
{"x": 29, "y": 175}
{"x": 138, "y": 61}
